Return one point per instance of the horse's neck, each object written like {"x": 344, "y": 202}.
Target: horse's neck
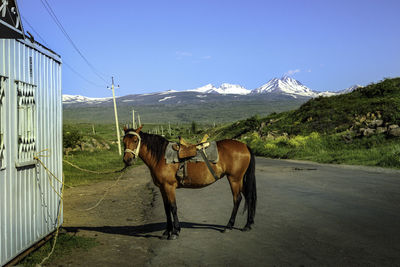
{"x": 145, "y": 155}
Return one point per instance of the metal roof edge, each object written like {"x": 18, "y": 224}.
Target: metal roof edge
{"x": 41, "y": 48}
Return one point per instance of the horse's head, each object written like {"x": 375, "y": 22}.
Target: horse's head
{"x": 132, "y": 143}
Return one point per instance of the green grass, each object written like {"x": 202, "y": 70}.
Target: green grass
{"x": 99, "y": 160}
{"x": 66, "y": 244}
{"x": 375, "y": 150}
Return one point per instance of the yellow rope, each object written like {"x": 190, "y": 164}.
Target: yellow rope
{"x": 103, "y": 197}
{"x": 90, "y": 171}
{"x": 37, "y": 157}
{"x": 48, "y": 171}
{"x": 57, "y": 229}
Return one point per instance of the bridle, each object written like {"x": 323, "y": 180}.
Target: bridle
{"x": 135, "y": 152}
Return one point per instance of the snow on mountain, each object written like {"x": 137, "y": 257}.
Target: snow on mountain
{"x": 165, "y": 98}
{"x": 71, "y": 99}
{"x": 349, "y": 90}
{"x": 285, "y": 85}
{"x": 167, "y": 92}
{"x": 224, "y": 89}
{"x": 326, "y": 93}
{"x": 204, "y": 89}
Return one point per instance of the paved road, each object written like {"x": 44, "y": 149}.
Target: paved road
{"x": 307, "y": 214}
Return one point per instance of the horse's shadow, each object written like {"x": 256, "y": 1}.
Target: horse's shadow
{"x": 145, "y": 230}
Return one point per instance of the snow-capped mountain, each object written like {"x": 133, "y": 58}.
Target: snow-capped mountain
{"x": 349, "y": 90}
{"x": 224, "y": 89}
{"x": 72, "y": 99}
{"x": 286, "y": 86}
{"x": 206, "y": 89}
{"x": 283, "y": 87}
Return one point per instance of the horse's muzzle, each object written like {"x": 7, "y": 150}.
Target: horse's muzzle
{"x": 128, "y": 158}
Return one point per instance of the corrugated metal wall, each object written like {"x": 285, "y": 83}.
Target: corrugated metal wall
{"x": 28, "y": 204}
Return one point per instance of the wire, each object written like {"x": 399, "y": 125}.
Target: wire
{"x": 58, "y": 23}
{"x": 64, "y": 62}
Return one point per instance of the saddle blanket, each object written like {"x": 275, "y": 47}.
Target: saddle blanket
{"x": 171, "y": 156}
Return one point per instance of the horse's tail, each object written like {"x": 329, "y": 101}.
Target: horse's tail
{"x": 249, "y": 189}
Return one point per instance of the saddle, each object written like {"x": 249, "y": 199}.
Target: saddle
{"x": 187, "y": 150}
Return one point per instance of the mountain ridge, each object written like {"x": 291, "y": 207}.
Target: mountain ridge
{"x": 278, "y": 86}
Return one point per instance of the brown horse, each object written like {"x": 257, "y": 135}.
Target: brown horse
{"x": 236, "y": 161}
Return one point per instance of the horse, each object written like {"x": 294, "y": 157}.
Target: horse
{"x": 236, "y": 162}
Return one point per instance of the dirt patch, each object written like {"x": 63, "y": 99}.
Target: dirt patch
{"x": 118, "y": 223}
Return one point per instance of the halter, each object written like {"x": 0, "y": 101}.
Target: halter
{"x": 135, "y": 152}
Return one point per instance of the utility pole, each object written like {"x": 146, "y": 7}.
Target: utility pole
{"x": 116, "y": 115}
{"x": 133, "y": 119}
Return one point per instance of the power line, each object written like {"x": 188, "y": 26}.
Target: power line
{"x": 64, "y": 62}
{"x": 58, "y": 23}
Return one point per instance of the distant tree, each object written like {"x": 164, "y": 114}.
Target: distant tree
{"x": 194, "y": 127}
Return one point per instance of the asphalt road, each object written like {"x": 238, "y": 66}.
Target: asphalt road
{"x": 307, "y": 215}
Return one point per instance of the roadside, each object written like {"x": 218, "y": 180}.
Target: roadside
{"x": 344, "y": 201}
{"x": 116, "y": 224}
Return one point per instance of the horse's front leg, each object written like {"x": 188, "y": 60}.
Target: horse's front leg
{"x": 173, "y": 228}
{"x": 167, "y": 208}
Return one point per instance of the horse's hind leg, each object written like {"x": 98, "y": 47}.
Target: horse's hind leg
{"x": 237, "y": 197}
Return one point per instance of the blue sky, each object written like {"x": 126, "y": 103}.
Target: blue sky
{"x": 158, "y": 45}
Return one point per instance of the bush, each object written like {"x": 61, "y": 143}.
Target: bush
{"x": 71, "y": 138}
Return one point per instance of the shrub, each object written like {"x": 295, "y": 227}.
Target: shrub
{"x": 71, "y": 138}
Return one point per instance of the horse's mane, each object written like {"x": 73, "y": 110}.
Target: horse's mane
{"x": 156, "y": 144}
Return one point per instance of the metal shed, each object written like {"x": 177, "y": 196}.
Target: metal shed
{"x": 30, "y": 122}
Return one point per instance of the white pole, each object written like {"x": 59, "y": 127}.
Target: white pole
{"x": 133, "y": 119}
{"x": 138, "y": 117}
{"x": 116, "y": 116}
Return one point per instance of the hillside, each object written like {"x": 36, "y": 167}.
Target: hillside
{"x": 181, "y": 107}
{"x": 207, "y": 104}
{"x": 361, "y": 127}
{"x": 327, "y": 115}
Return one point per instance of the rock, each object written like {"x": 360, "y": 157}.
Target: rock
{"x": 106, "y": 146}
{"x": 393, "y": 126}
{"x": 375, "y": 123}
{"x": 347, "y": 137}
{"x": 394, "y": 132}
{"x": 67, "y": 150}
{"x": 368, "y": 132}
{"x": 380, "y": 130}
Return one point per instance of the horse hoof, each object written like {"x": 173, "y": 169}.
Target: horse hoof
{"x": 165, "y": 235}
{"x": 227, "y": 229}
{"x": 173, "y": 237}
{"x": 246, "y": 228}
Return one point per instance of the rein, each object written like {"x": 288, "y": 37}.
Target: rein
{"x": 135, "y": 152}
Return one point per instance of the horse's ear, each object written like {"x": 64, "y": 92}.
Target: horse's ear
{"x": 139, "y": 129}
{"x": 125, "y": 128}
